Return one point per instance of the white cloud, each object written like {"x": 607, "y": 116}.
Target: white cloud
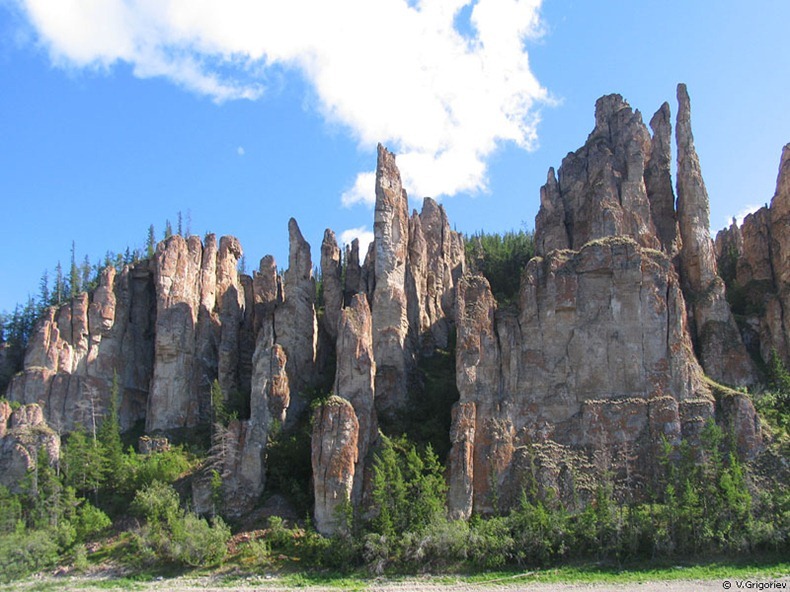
{"x": 364, "y": 235}
{"x": 363, "y": 190}
{"x": 240, "y": 150}
{"x": 392, "y": 71}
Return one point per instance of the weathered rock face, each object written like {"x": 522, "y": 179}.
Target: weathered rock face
{"x": 24, "y": 435}
{"x": 355, "y": 380}
{"x": 718, "y": 341}
{"x": 436, "y": 263}
{"x": 599, "y": 346}
{"x": 331, "y": 272}
{"x": 780, "y": 253}
{"x": 601, "y": 186}
{"x": 658, "y": 182}
{"x": 295, "y": 322}
{"x": 177, "y": 265}
{"x": 390, "y": 318}
{"x": 76, "y": 349}
{"x": 231, "y": 305}
{"x": 334, "y": 459}
{"x": 353, "y": 284}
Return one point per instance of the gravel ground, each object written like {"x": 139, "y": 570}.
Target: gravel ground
{"x": 261, "y": 584}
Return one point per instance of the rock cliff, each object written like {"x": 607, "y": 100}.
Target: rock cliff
{"x": 603, "y": 356}
{"x": 755, "y": 256}
{"x": 24, "y": 438}
{"x": 597, "y": 360}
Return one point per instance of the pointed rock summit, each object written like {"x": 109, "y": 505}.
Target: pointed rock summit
{"x": 717, "y": 339}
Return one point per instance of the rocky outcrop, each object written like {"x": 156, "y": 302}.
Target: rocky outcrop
{"x": 77, "y": 348}
{"x": 436, "y": 263}
{"x": 601, "y": 188}
{"x": 718, "y": 342}
{"x": 390, "y": 318}
{"x": 295, "y": 322}
{"x": 331, "y": 279}
{"x": 780, "y": 255}
{"x": 231, "y": 305}
{"x": 754, "y": 259}
{"x": 658, "y": 182}
{"x": 613, "y": 304}
{"x": 24, "y": 437}
{"x": 353, "y": 284}
{"x": 334, "y": 460}
{"x": 355, "y": 380}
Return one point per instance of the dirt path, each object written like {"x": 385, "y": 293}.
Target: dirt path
{"x": 263, "y": 584}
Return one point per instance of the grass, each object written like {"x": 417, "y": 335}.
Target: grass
{"x": 769, "y": 567}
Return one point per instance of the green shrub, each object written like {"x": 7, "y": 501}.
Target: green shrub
{"x": 90, "y": 521}
{"x": 25, "y": 553}
{"x": 175, "y": 536}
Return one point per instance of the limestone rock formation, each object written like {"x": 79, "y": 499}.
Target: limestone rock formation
{"x": 780, "y": 251}
{"x": 77, "y": 348}
{"x": 355, "y": 379}
{"x": 718, "y": 341}
{"x": 754, "y": 259}
{"x": 331, "y": 272}
{"x": 295, "y": 322}
{"x": 390, "y": 318}
{"x": 334, "y": 458}
{"x": 24, "y": 437}
{"x": 231, "y": 304}
{"x": 436, "y": 263}
{"x": 597, "y": 358}
{"x": 353, "y": 284}
{"x": 658, "y": 182}
{"x": 601, "y": 188}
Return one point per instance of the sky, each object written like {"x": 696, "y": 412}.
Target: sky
{"x": 119, "y": 114}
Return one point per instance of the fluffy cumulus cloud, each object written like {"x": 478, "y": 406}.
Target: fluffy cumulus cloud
{"x": 441, "y": 82}
{"x": 364, "y": 235}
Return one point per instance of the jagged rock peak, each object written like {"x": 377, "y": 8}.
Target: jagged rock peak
{"x": 658, "y": 181}
{"x": 299, "y": 259}
{"x": 390, "y": 315}
{"x": 717, "y": 339}
{"x": 606, "y": 108}
{"x": 295, "y": 324}
{"x": 601, "y": 187}
{"x": 780, "y": 224}
{"x": 698, "y": 263}
{"x": 331, "y": 272}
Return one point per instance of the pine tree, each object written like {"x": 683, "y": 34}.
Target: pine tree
{"x": 74, "y": 275}
{"x": 168, "y": 229}
{"x": 179, "y": 224}
{"x": 60, "y": 285}
{"x": 43, "y": 291}
{"x": 85, "y": 272}
{"x": 109, "y": 434}
{"x": 150, "y": 243}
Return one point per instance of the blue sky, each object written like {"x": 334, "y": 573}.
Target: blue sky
{"x": 119, "y": 114}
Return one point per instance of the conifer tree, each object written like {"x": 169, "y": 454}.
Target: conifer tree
{"x": 43, "y": 291}
{"x": 109, "y": 434}
{"x": 60, "y": 285}
{"x": 74, "y": 275}
{"x": 85, "y": 272}
{"x": 150, "y": 243}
